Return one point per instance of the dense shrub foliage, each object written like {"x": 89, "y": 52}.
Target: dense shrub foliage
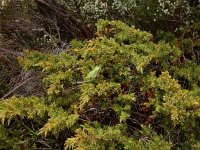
{"x": 119, "y": 90}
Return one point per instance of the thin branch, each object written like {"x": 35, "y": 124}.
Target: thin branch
{"x": 16, "y": 87}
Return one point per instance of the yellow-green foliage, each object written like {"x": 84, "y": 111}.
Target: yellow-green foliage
{"x": 103, "y": 78}
{"x": 94, "y": 137}
{"x": 180, "y": 104}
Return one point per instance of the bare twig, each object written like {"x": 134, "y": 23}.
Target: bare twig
{"x": 16, "y": 87}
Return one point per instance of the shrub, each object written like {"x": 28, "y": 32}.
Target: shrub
{"x": 118, "y": 90}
